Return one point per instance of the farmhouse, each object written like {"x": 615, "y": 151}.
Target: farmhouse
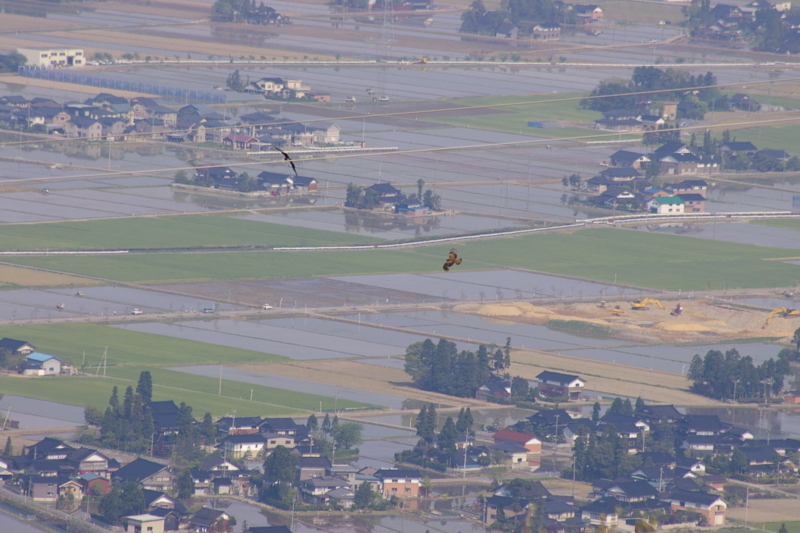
{"x": 40, "y": 364}
{"x": 403, "y": 483}
{"x": 149, "y": 475}
{"x": 526, "y": 440}
{"x": 558, "y": 384}
{"x": 16, "y": 347}
{"x": 666, "y": 205}
{"x": 712, "y": 507}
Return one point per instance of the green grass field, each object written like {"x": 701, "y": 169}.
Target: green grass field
{"x": 785, "y": 102}
{"x": 631, "y": 257}
{"x": 70, "y": 341}
{"x": 166, "y": 232}
{"x": 791, "y": 527}
{"x": 514, "y": 119}
{"x": 151, "y": 268}
{"x": 199, "y": 392}
{"x": 788, "y": 223}
{"x": 772, "y": 137}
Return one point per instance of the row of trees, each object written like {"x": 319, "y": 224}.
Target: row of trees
{"x": 246, "y": 11}
{"x": 436, "y": 449}
{"x": 359, "y": 197}
{"x": 621, "y": 94}
{"x": 441, "y": 368}
{"x": 244, "y": 181}
{"x": 126, "y": 425}
{"x": 477, "y": 19}
{"x": 730, "y": 375}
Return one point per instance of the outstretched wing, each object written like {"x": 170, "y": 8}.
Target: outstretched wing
{"x": 287, "y": 158}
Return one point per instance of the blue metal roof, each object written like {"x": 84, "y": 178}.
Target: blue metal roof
{"x": 41, "y": 357}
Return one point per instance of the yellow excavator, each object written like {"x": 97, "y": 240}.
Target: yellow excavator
{"x": 785, "y": 312}
{"x": 641, "y": 305}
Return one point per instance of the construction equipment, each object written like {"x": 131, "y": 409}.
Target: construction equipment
{"x": 677, "y": 311}
{"x": 420, "y": 61}
{"x": 617, "y": 311}
{"x": 641, "y": 305}
{"x": 785, "y": 312}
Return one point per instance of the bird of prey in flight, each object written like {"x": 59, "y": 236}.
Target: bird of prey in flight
{"x": 452, "y": 259}
{"x": 287, "y": 158}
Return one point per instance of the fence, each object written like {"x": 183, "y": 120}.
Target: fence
{"x": 71, "y": 76}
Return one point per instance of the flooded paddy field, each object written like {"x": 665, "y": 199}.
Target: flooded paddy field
{"x": 739, "y": 232}
{"x": 489, "y": 285}
{"x": 763, "y": 423}
{"x": 671, "y": 358}
{"x": 275, "y": 337}
{"x": 30, "y": 412}
{"x": 298, "y": 292}
{"x": 257, "y": 378}
{"x": 381, "y": 226}
{"x": 22, "y": 304}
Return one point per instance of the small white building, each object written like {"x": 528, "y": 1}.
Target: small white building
{"x": 53, "y": 57}
{"x": 144, "y": 523}
{"x": 666, "y": 205}
{"x": 41, "y": 364}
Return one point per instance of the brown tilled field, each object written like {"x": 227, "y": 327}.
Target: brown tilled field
{"x": 701, "y": 320}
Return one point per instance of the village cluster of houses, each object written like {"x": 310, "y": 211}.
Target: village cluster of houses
{"x": 624, "y": 183}
{"x": 115, "y": 118}
{"x": 276, "y": 183}
{"x": 732, "y": 23}
{"x": 550, "y": 31}
{"x": 671, "y": 483}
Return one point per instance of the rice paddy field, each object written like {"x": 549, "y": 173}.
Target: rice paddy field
{"x": 199, "y": 392}
{"x": 656, "y": 261}
{"x": 166, "y": 232}
{"x": 125, "y": 348}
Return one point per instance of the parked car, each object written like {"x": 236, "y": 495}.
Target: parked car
{"x": 383, "y": 99}
{"x": 350, "y": 99}
{"x": 208, "y": 310}
{"x": 266, "y": 307}
{"x": 136, "y": 311}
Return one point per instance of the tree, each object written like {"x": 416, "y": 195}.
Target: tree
{"x": 348, "y": 434}
{"x": 326, "y": 424}
{"x": 11, "y": 62}
{"x": 121, "y": 501}
{"x": 617, "y": 407}
{"x": 519, "y": 387}
{"x": 783, "y": 529}
{"x": 499, "y": 359}
{"x": 596, "y": 412}
{"x": 279, "y": 466}
{"x": 364, "y": 496}
{"x": 448, "y": 436}
{"x": 144, "y": 387}
{"x": 353, "y": 196}
{"x": 432, "y": 201}
{"x": 8, "y": 450}
{"x": 312, "y": 423}
{"x": 184, "y": 485}
{"x": 235, "y": 81}
{"x": 208, "y": 433}
{"x": 639, "y": 404}
{"x": 426, "y": 425}
{"x": 420, "y": 185}
{"x": 627, "y": 407}
{"x": 464, "y": 421}
{"x": 739, "y": 462}
{"x": 92, "y": 415}
{"x": 507, "y": 353}
{"x": 113, "y": 402}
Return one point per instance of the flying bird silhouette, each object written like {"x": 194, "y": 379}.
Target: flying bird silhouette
{"x": 287, "y": 158}
{"x": 452, "y": 259}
